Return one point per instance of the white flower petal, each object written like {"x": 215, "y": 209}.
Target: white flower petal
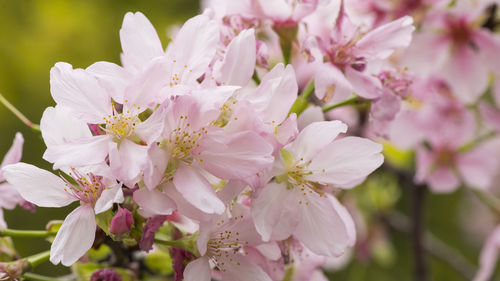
{"x": 75, "y": 237}
{"x": 38, "y": 186}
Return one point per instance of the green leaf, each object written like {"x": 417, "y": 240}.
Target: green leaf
{"x": 159, "y": 262}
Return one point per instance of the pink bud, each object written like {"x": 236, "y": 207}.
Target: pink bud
{"x": 121, "y": 222}
{"x": 106, "y": 274}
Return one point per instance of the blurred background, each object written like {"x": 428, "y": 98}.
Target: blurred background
{"x": 36, "y": 34}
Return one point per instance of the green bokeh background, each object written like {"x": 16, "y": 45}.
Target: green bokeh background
{"x": 36, "y": 34}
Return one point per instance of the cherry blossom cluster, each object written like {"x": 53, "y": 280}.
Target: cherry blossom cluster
{"x": 228, "y": 144}
{"x": 186, "y": 136}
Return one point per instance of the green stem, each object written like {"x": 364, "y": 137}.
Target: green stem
{"x": 18, "y": 114}
{"x": 492, "y": 202}
{"x": 174, "y": 243}
{"x": 349, "y": 101}
{"x": 37, "y": 259}
{"x": 477, "y": 141}
{"x": 256, "y": 78}
{"x": 37, "y": 277}
{"x": 302, "y": 101}
{"x": 26, "y": 233}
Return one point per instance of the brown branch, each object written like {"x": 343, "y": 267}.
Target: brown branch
{"x": 435, "y": 246}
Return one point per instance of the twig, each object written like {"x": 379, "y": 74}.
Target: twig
{"x": 26, "y": 233}
{"x": 37, "y": 277}
{"x": 435, "y": 247}
{"x": 18, "y": 114}
{"x": 417, "y": 229}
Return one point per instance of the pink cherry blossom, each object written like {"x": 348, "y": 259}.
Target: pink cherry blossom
{"x": 9, "y": 197}
{"x": 222, "y": 241}
{"x": 298, "y": 200}
{"x": 343, "y": 57}
{"x": 461, "y": 50}
{"x": 95, "y": 193}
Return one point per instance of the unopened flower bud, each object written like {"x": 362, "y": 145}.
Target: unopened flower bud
{"x": 121, "y": 222}
{"x": 105, "y": 274}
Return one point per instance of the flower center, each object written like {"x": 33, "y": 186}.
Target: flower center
{"x": 183, "y": 140}
{"x": 121, "y": 125}
{"x": 223, "y": 245}
{"x": 88, "y": 188}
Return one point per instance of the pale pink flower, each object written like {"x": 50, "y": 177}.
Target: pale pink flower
{"x": 430, "y": 100}
{"x": 298, "y": 201}
{"x": 9, "y": 197}
{"x": 192, "y": 145}
{"x": 462, "y": 52}
{"x": 265, "y": 109}
{"x": 95, "y": 193}
{"x": 79, "y": 94}
{"x": 343, "y": 56}
{"x": 223, "y": 242}
{"x": 444, "y": 166}
{"x": 488, "y": 257}
{"x": 281, "y": 12}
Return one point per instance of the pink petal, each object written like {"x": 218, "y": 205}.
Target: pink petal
{"x": 80, "y": 92}
{"x": 364, "y": 84}
{"x": 198, "y": 270}
{"x": 59, "y": 126}
{"x": 238, "y": 64}
{"x": 144, "y": 90}
{"x": 346, "y": 160}
{"x": 75, "y": 237}
{"x": 310, "y": 115}
{"x": 108, "y": 197}
{"x": 15, "y": 151}
{"x": 382, "y": 41}
{"x": 488, "y": 257}
{"x": 276, "y": 94}
{"x": 38, "y": 186}
{"x": 184, "y": 207}
{"x": 140, "y": 42}
{"x": 111, "y": 77}
{"x": 277, "y": 10}
{"x": 127, "y": 160}
{"x": 270, "y": 250}
{"x": 81, "y": 152}
{"x": 326, "y": 228}
{"x": 3, "y": 224}
{"x": 156, "y": 164}
{"x": 241, "y": 269}
{"x": 275, "y": 212}
{"x": 237, "y": 156}
{"x": 330, "y": 84}
{"x": 477, "y": 167}
{"x": 192, "y": 60}
{"x": 197, "y": 190}
{"x": 154, "y": 202}
{"x": 314, "y": 138}
{"x": 9, "y": 197}
{"x": 443, "y": 180}
{"x": 490, "y": 115}
{"x": 287, "y": 131}
{"x": 150, "y": 130}
{"x": 466, "y": 75}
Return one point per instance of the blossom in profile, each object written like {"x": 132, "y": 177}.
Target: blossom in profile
{"x": 96, "y": 194}
{"x": 9, "y": 197}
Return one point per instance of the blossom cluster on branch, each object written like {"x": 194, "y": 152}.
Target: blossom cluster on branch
{"x": 226, "y": 148}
